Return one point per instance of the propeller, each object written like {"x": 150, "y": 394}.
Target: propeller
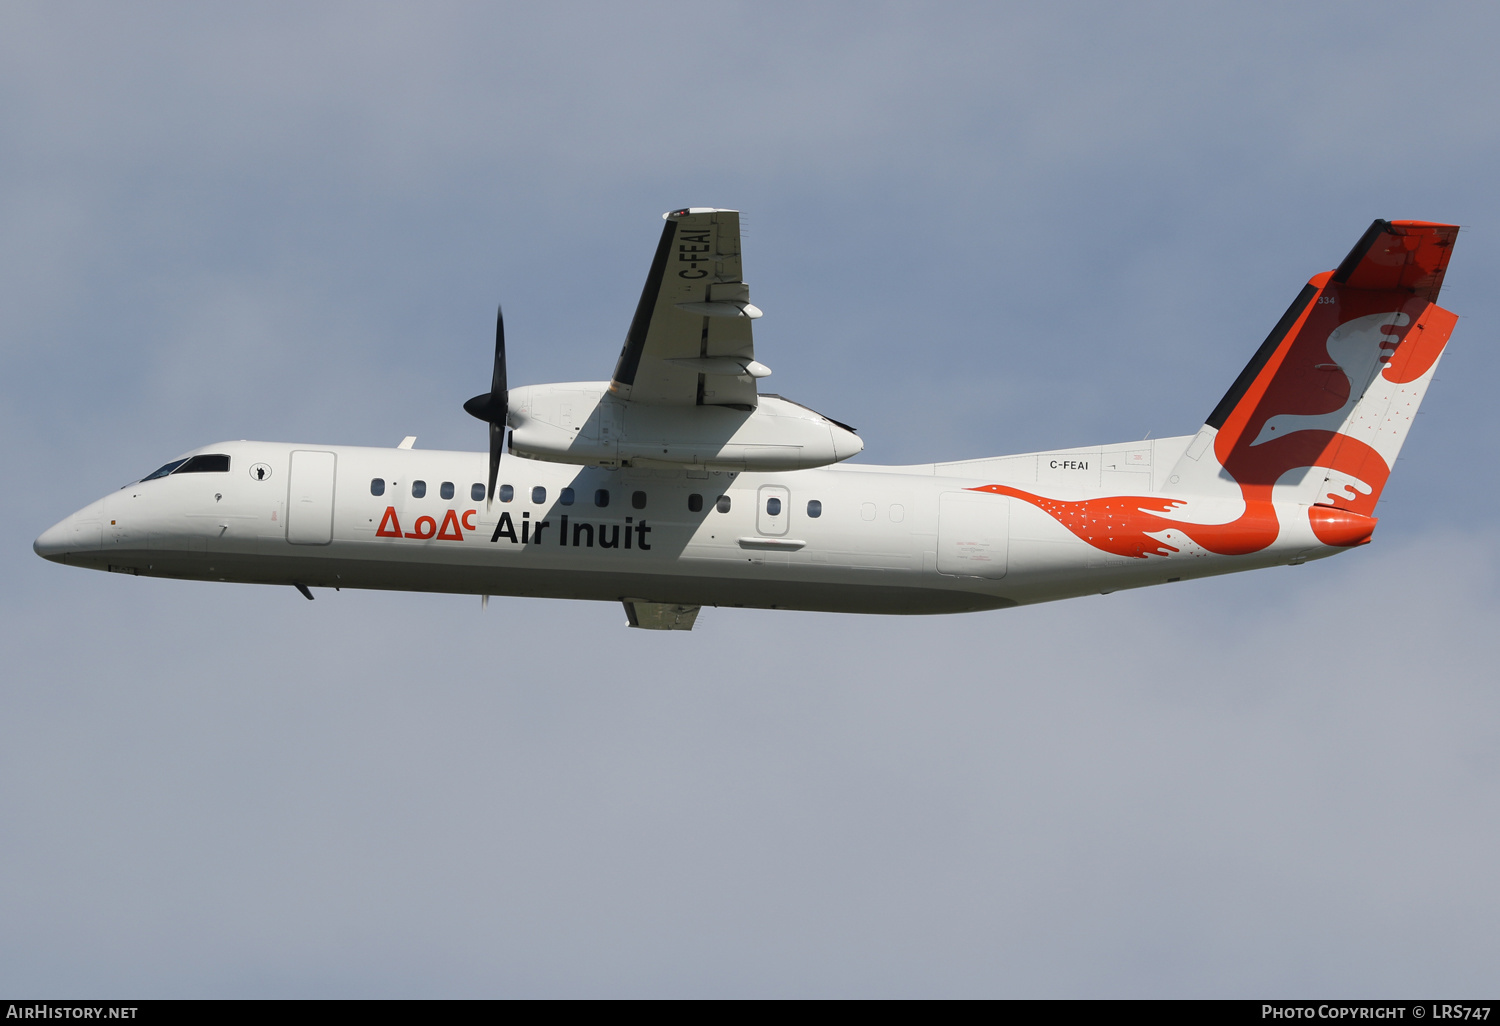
{"x": 492, "y": 406}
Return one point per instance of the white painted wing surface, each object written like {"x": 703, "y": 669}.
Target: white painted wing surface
{"x": 689, "y": 343}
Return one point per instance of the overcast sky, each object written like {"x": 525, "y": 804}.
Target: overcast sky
{"x": 974, "y": 230}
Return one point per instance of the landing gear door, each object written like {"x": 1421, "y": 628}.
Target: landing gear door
{"x": 309, "y": 505}
{"x": 973, "y": 534}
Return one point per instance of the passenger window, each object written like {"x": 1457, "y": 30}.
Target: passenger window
{"x": 601, "y": 498}
{"x": 418, "y": 489}
{"x": 638, "y": 500}
{"x": 205, "y": 464}
{"x": 566, "y": 498}
{"x": 814, "y": 508}
{"x": 695, "y": 503}
{"x": 377, "y": 486}
{"x": 446, "y": 489}
{"x": 476, "y": 493}
{"x": 539, "y": 495}
{"x": 722, "y": 505}
{"x": 773, "y": 507}
{"x": 507, "y": 493}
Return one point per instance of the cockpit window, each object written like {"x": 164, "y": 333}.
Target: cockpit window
{"x": 207, "y": 463}
{"x": 164, "y": 471}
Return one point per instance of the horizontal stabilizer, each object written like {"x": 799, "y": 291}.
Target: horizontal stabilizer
{"x": 1399, "y": 255}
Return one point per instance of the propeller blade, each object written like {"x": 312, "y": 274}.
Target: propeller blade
{"x": 498, "y": 383}
{"x": 497, "y": 441}
{"x": 493, "y": 406}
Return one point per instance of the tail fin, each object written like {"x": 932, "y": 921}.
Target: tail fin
{"x": 1322, "y": 409}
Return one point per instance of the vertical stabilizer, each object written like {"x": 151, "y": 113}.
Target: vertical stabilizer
{"x": 1322, "y": 409}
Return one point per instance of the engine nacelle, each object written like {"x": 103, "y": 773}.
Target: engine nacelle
{"x": 580, "y": 422}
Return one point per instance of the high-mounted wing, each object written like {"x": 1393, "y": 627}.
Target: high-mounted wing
{"x": 689, "y": 343}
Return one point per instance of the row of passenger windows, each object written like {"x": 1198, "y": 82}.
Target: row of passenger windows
{"x": 419, "y": 489}
{"x": 507, "y": 493}
{"x": 567, "y": 497}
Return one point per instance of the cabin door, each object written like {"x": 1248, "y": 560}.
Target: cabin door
{"x": 309, "y": 501}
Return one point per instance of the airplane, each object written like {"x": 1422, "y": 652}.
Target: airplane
{"x": 677, "y": 484}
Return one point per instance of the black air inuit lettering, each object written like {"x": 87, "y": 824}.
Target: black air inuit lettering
{"x": 505, "y": 529}
{"x": 582, "y": 535}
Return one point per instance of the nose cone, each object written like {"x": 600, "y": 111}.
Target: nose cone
{"x": 55, "y": 541}
{"x": 78, "y": 535}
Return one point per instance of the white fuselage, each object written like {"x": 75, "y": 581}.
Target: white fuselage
{"x": 913, "y": 539}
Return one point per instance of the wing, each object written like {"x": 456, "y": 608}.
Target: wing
{"x": 689, "y": 343}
